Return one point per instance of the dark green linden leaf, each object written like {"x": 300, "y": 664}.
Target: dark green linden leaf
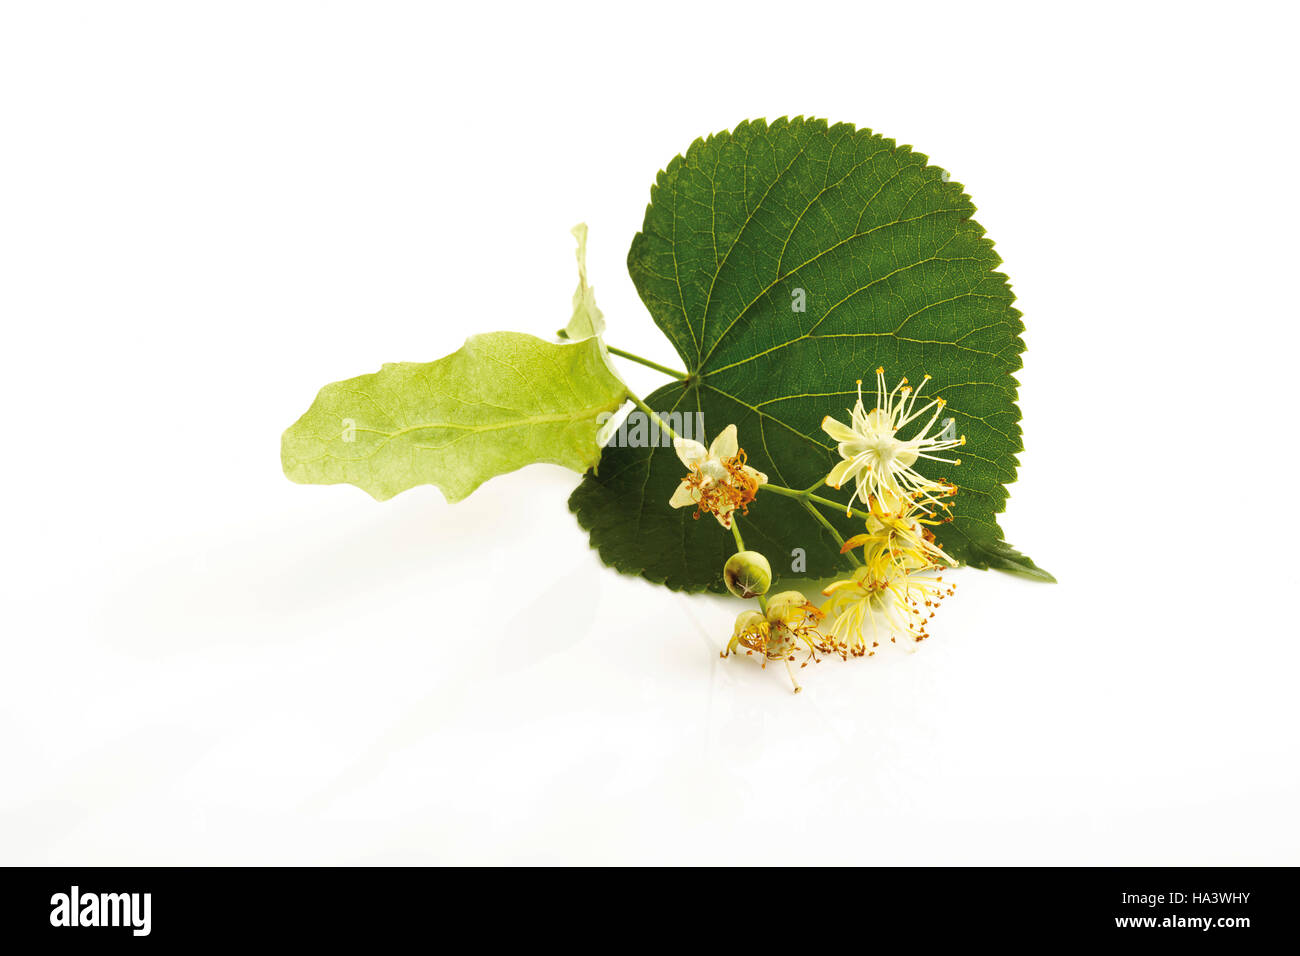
{"x": 784, "y": 262}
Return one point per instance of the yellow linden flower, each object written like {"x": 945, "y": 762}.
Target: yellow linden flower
{"x": 790, "y": 623}
{"x": 873, "y": 454}
{"x": 870, "y": 608}
{"x": 898, "y": 535}
{"x": 719, "y": 482}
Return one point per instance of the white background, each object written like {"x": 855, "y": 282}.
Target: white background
{"x": 210, "y": 210}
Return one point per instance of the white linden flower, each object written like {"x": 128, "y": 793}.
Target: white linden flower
{"x": 874, "y": 455}
{"x": 720, "y": 481}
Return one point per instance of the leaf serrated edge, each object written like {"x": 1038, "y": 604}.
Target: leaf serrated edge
{"x": 998, "y": 553}
{"x": 625, "y": 565}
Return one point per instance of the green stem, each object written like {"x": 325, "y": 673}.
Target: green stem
{"x": 647, "y": 363}
{"x": 828, "y": 503}
{"x": 652, "y": 413}
{"x": 809, "y": 496}
{"x": 853, "y": 558}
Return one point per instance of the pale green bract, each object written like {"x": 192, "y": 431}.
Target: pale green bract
{"x": 587, "y": 318}
{"x": 501, "y": 401}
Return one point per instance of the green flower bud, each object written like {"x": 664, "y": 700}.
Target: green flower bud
{"x": 747, "y": 574}
{"x": 780, "y": 606}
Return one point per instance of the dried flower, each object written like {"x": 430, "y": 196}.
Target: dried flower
{"x": 789, "y": 625}
{"x": 719, "y": 482}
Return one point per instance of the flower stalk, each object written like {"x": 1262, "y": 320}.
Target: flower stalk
{"x": 646, "y": 362}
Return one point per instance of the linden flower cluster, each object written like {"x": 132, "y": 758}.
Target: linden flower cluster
{"x": 895, "y": 592}
{"x": 895, "y": 587}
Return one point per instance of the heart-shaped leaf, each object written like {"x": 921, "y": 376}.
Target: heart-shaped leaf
{"x": 784, "y": 262}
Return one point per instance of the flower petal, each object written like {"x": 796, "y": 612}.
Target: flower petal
{"x": 725, "y": 444}
{"x": 684, "y": 495}
{"x": 838, "y": 473}
{"x": 859, "y": 415}
{"x": 839, "y": 586}
{"x": 857, "y": 541}
{"x": 756, "y": 475}
{"x": 838, "y": 430}
{"x": 690, "y": 451}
